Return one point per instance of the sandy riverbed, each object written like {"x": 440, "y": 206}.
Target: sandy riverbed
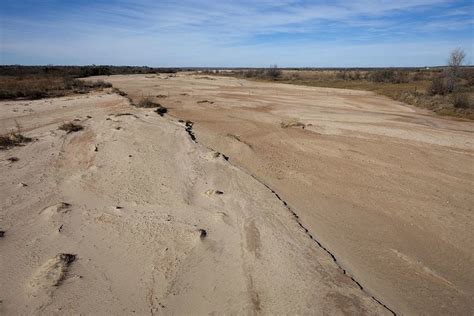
{"x": 161, "y": 224}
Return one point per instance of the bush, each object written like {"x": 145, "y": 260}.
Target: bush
{"x": 389, "y": 76}
{"x": 384, "y": 75}
{"x": 148, "y": 103}
{"x": 461, "y": 101}
{"x": 438, "y": 86}
{"x": 273, "y": 72}
{"x": 468, "y": 75}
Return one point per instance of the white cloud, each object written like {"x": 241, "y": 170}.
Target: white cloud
{"x": 208, "y": 32}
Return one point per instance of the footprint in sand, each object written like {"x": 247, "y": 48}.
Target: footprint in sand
{"x": 224, "y": 217}
{"x": 60, "y": 208}
{"x": 51, "y": 273}
{"x": 54, "y": 214}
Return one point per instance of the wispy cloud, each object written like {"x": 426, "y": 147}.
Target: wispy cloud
{"x": 191, "y": 32}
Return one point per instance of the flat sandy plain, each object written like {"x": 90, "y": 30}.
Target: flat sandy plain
{"x": 292, "y": 200}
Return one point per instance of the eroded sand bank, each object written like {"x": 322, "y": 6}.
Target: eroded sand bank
{"x": 130, "y": 215}
{"x": 387, "y": 188}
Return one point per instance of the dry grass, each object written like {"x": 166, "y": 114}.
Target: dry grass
{"x": 292, "y": 124}
{"x": 37, "y": 87}
{"x": 147, "y": 102}
{"x": 71, "y": 127}
{"x": 205, "y": 101}
{"x": 12, "y": 139}
{"x": 410, "y": 86}
{"x": 119, "y": 92}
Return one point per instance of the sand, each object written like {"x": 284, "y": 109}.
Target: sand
{"x": 130, "y": 215}
{"x": 290, "y": 200}
{"x": 386, "y": 187}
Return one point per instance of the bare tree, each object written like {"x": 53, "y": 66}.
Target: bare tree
{"x": 455, "y": 61}
{"x": 273, "y": 72}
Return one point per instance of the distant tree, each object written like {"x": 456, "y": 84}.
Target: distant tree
{"x": 447, "y": 82}
{"x": 455, "y": 61}
{"x": 273, "y": 72}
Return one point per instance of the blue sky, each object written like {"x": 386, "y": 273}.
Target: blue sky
{"x": 290, "y": 33}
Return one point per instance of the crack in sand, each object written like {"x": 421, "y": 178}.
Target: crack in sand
{"x": 188, "y": 127}
{"x": 333, "y": 257}
{"x": 189, "y": 130}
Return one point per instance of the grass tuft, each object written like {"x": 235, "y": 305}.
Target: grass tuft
{"x": 13, "y": 139}
{"x": 147, "y": 102}
{"x": 71, "y": 127}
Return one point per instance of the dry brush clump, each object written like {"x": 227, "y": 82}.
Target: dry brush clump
{"x": 389, "y": 76}
{"x": 462, "y": 101}
{"x": 13, "y": 138}
{"x": 161, "y": 110}
{"x": 71, "y": 127}
{"x": 147, "y": 102}
{"x": 270, "y": 73}
{"x": 292, "y": 124}
{"x": 119, "y": 92}
{"x": 455, "y": 82}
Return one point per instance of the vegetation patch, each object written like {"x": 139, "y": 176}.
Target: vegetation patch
{"x": 13, "y": 139}
{"x": 71, "y": 127}
{"x": 119, "y": 92}
{"x": 292, "y": 124}
{"x": 161, "y": 110}
{"x": 205, "y": 101}
{"x": 147, "y": 102}
{"x": 446, "y": 90}
{"x": 34, "y": 87}
{"x": 36, "y": 82}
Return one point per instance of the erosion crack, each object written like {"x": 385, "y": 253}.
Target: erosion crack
{"x": 188, "y": 128}
{"x": 344, "y": 271}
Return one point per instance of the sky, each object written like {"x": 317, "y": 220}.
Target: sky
{"x": 239, "y": 33}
